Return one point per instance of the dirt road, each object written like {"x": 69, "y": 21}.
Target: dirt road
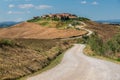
{"x": 89, "y": 32}
{"x": 77, "y": 66}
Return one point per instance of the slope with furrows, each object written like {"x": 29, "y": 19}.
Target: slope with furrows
{"x": 32, "y": 30}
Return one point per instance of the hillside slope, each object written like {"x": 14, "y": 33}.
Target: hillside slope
{"x": 32, "y": 30}
{"x": 17, "y": 55}
{"x": 105, "y": 31}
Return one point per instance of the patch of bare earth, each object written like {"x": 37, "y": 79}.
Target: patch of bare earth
{"x": 106, "y": 31}
{"x": 32, "y": 30}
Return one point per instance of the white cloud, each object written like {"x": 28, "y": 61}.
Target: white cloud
{"x": 11, "y": 5}
{"x": 43, "y": 7}
{"x": 94, "y": 3}
{"x": 10, "y": 12}
{"x": 83, "y": 2}
{"x": 19, "y": 12}
{"x": 24, "y": 6}
{"x": 15, "y": 12}
{"x": 28, "y": 6}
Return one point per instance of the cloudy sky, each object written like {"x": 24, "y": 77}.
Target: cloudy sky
{"x": 20, "y": 10}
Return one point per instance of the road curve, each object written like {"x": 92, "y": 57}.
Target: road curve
{"x": 77, "y": 66}
{"x": 77, "y": 37}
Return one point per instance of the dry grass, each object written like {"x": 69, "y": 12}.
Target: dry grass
{"x": 105, "y": 31}
{"x": 15, "y": 61}
{"x": 88, "y": 51}
{"x": 47, "y": 23}
{"x": 32, "y": 30}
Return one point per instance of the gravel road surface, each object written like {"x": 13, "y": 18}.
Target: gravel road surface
{"x": 77, "y": 66}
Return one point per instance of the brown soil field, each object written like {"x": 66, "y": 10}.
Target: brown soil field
{"x": 105, "y": 31}
{"x": 32, "y": 30}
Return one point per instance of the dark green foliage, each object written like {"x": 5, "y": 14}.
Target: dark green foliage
{"x": 80, "y": 41}
{"x": 65, "y": 18}
{"x": 34, "y": 19}
{"x": 114, "y": 44}
{"x": 85, "y": 38}
{"x": 118, "y": 59}
{"x": 6, "y": 42}
{"x": 96, "y": 44}
{"x": 74, "y": 23}
{"x": 110, "y": 48}
{"x": 56, "y": 19}
{"x": 83, "y": 19}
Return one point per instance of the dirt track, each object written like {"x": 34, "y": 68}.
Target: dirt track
{"x": 76, "y": 66}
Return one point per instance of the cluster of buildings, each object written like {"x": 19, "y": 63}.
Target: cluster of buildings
{"x": 59, "y": 16}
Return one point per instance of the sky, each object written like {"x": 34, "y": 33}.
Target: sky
{"x": 21, "y": 10}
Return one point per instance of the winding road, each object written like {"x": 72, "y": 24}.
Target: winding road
{"x": 77, "y": 66}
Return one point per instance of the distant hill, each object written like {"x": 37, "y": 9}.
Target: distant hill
{"x": 52, "y": 28}
{"x": 112, "y": 21}
{"x": 36, "y": 31}
{"x": 7, "y": 24}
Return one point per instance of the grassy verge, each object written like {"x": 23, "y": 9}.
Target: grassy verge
{"x": 53, "y": 63}
{"x": 17, "y": 55}
{"x": 89, "y": 52}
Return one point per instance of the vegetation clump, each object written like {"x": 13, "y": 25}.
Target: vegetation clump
{"x": 83, "y": 19}
{"x": 6, "y": 42}
{"x": 110, "y": 48}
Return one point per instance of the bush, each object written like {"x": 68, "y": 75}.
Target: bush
{"x": 6, "y": 42}
{"x": 34, "y": 20}
{"x": 56, "y": 19}
{"x": 110, "y": 48}
{"x": 114, "y": 44}
{"x": 83, "y": 19}
{"x": 96, "y": 44}
{"x": 74, "y": 23}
